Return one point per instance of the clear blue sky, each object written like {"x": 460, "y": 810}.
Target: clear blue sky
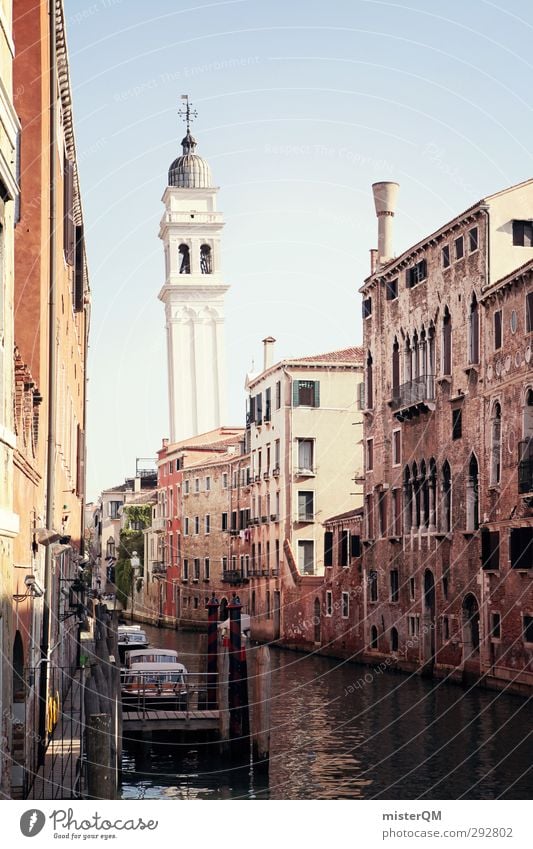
{"x": 302, "y": 105}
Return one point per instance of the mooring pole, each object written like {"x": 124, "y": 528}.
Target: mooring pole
{"x": 235, "y": 728}
{"x": 212, "y": 652}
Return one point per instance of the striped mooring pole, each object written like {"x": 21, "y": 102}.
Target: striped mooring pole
{"x": 235, "y": 712}
{"x": 212, "y": 652}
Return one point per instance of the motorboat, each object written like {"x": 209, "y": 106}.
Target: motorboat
{"x": 131, "y": 637}
{"x": 154, "y": 686}
{"x": 152, "y": 655}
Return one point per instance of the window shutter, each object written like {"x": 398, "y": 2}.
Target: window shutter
{"x": 317, "y": 393}
{"x": 79, "y": 270}
{"x": 68, "y": 211}
{"x": 355, "y": 545}
{"x": 328, "y": 548}
{"x": 295, "y": 393}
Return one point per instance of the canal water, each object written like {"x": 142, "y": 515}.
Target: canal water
{"x": 340, "y": 731}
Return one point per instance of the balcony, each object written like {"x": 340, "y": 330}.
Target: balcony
{"x": 266, "y": 475}
{"x": 305, "y": 472}
{"x": 525, "y": 466}
{"x": 233, "y": 576}
{"x": 159, "y": 523}
{"x": 159, "y": 568}
{"x": 305, "y": 516}
{"x": 275, "y": 471}
{"x": 264, "y": 519}
{"x": 414, "y": 397}
{"x": 274, "y": 517}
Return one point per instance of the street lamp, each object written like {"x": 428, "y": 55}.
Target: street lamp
{"x": 135, "y": 567}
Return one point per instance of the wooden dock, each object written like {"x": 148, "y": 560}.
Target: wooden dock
{"x": 170, "y": 720}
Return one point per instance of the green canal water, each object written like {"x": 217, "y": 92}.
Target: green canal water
{"x": 389, "y": 737}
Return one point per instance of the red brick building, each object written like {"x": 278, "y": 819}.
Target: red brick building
{"x": 432, "y": 420}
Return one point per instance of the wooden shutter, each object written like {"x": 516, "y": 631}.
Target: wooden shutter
{"x": 328, "y": 548}
{"x": 317, "y": 393}
{"x": 68, "y": 211}
{"x": 295, "y": 393}
{"x": 79, "y": 267}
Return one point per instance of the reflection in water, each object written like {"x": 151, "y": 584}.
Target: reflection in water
{"x": 335, "y": 736}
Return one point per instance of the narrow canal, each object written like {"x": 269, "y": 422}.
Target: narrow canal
{"x": 389, "y": 737}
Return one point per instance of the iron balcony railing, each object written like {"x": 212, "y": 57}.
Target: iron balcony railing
{"x": 233, "y": 576}
{"x": 414, "y": 392}
{"x": 525, "y": 465}
{"x": 158, "y": 567}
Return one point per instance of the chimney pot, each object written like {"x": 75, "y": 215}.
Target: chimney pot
{"x": 268, "y": 352}
{"x": 385, "y": 194}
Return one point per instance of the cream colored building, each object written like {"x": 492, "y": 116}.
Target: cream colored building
{"x": 304, "y": 435}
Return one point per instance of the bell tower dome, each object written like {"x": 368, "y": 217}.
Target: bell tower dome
{"x": 193, "y": 293}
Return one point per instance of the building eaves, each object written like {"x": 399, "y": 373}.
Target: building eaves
{"x": 357, "y": 513}
{"x": 503, "y": 282}
{"x": 333, "y": 359}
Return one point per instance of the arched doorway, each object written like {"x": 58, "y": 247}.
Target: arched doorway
{"x": 428, "y": 633}
{"x": 470, "y": 627}
{"x": 316, "y": 620}
{"x": 18, "y": 713}
{"x": 394, "y": 639}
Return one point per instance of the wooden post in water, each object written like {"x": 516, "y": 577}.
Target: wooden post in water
{"x": 235, "y": 720}
{"x": 100, "y": 772}
{"x": 222, "y": 698}
{"x": 212, "y": 652}
{"x": 261, "y": 689}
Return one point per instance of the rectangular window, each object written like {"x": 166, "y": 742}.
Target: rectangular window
{"x": 306, "y": 511}
{"x": 523, "y": 234}
{"x": 382, "y": 513}
{"x": 186, "y": 527}
{"x": 521, "y": 548}
{"x": 497, "y": 330}
{"x": 196, "y": 524}
{"x": 529, "y": 312}
{"x": 413, "y": 626}
{"x": 268, "y": 404}
{"x": 373, "y": 585}
{"x": 445, "y": 628}
{"x": 369, "y": 455}
{"x": 207, "y": 569}
{"x": 459, "y": 248}
{"x": 397, "y": 508}
{"x": 328, "y": 548}
{"x": 277, "y": 454}
{"x": 345, "y": 598}
{"x": 343, "y": 549}
{"x": 394, "y": 586}
{"x": 208, "y": 524}
{"x": 396, "y": 447}
{"x": 278, "y": 394}
{"x": 391, "y": 289}
{"x": 329, "y": 603}
{"x": 186, "y": 486}
{"x": 207, "y": 484}
{"x": 234, "y": 520}
{"x": 196, "y": 568}
{"x": 495, "y": 626}
{"x": 457, "y": 424}
{"x": 367, "y": 307}
{"x": 224, "y": 564}
{"x": 528, "y": 628}
{"x": 306, "y": 393}
{"x": 306, "y": 455}
{"x": 416, "y": 273}
{"x": 473, "y": 240}
{"x": 195, "y": 600}
{"x": 306, "y": 557}
{"x": 490, "y": 549}
{"x": 355, "y": 545}
{"x": 412, "y": 589}
{"x": 114, "y": 509}
{"x": 259, "y": 409}
{"x": 186, "y": 569}
{"x": 224, "y": 524}
{"x": 445, "y": 254}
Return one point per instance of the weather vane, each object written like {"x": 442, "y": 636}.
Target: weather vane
{"x": 187, "y": 114}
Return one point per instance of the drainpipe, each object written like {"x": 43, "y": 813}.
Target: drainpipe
{"x": 52, "y": 393}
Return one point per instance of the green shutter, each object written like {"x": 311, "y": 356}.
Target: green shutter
{"x": 317, "y": 393}
{"x": 295, "y": 393}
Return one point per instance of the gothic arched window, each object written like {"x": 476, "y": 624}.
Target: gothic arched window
{"x": 472, "y": 495}
{"x": 496, "y": 444}
{"x": 473, "y": 336}
{"x": 447, "y": 342}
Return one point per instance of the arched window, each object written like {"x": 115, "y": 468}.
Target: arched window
{"x": 373, "y": 637}
{"x": 415, "y": 362}
{"x": 369, "y": 382}
{"x": 447, "y": 342}
{"x": 430, "y": 359}
{"x": 205, "y": 259}
{"x": 496, "y": 444}
{"x": 432, "y": 494}
{"x": 424, "y": 496}
{"x": 416, "y": 493}
{"x": 407, "y": 361}
{"x": 473, "y": 331}
{"x": 472, "y": 495}
{"x": 446, "y": 513}
{"x": 408, "y": 500}
{"x": 394, "y": 639}
{"x": 185, "y": 259}
{"x": 110, "y": 552}
{"x": 395, "y": 369}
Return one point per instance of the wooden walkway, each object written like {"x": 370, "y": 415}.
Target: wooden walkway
{"x": 59, "y": 776}
{"x": 170, "y": 720}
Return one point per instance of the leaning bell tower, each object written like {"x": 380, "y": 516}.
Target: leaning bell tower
{"x": 193, "y": 293}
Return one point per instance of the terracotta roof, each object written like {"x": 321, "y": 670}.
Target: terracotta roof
{"x": 516, "y": 272}
{"x": 345, "y": 355}
{"x": 357, "y": 513}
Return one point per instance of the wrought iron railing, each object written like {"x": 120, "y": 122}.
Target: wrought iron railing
{"x": 525, "y": 465}
{"x": 414, "y": 392}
